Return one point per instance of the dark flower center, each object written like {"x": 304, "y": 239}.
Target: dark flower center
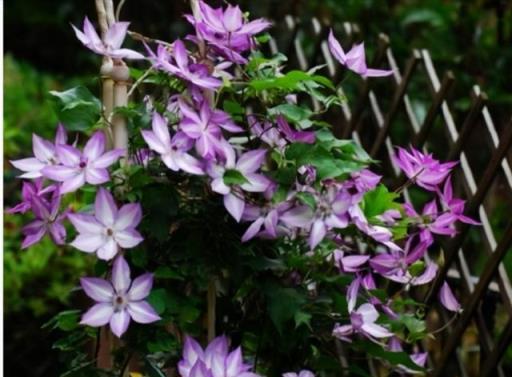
{"x": 119, "y": 300}
{"x": 218, "y": 35}
{"x": 82, "y": 164}
{"x": 110, "y": 232}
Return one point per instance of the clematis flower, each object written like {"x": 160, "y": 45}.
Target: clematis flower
{"x": 349, "y": 263}
{"x": 431, "y": 222}
{"x": 48, "y": 221}
{"x": 196, "y": 74}
{"x": 111, "y": 46}
{"x": 205, "y": 127}
{"x": 44, "y": 155}
{"x": 331, "y": 213}
{"x": 246, "y": 167}
{"x": 30, "y": 190}
{"x": 77, "y": 168}
{"x": 454, "y": 205}
{"x": 267, "y": 132}
{"x": 109, "y": 228}
{"x": 302, "y": 373}
{"x": 214, "y": 361}
{"x": 173, "y": 151}
{"x": 266, "y": 217}
{"x": 422, "y": 169}
{"x": 226, "y": 30}
{"x": 362, "y": 321}
{"x": 448, "y": 299}
{"x": 355, "y": 59}
{"x": 119, "y": 301}
{"x": 377, "y": 232}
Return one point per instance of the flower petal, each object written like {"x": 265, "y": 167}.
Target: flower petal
{"x": 108, "y": 158}
{"x": 115, "y": 34}
{"x": 105, "y": 208}
{"x": 128, "y": 238}
{"x": 129, "y": 216}
{"x": 108, "y": 250}
{"x": 141, "y": 287}
{"x": 142, "y": 312}
{"x": 119, "y": 322}
{"x": 234, "y": 205}
{"x": 88, "y": 243}
{"x": 98, "y": 315}
{"x": 84, "y": 223}
{"x": 95, "y": 146}
{"x": 98, "y": 289}
{"x": 121, "y": 275}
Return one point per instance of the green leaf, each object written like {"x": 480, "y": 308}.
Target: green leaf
{"x": 394, "y": 358}
{"x": 307, "y": 199}
{"x": 77, "y": 108}
{"x": 293, "y": 113}
{"x": 283, "y": 303}
{"x": 164, "y": 272}
{"x": 378, "y": 201}
{"x": 153, "y": 369}
{"x": 65, "y": 321}
{"x": 417, "y": 268}
{"x": 234, "y": 177}
{"x": 158, "y": 300}
{"x": 302, "y": 318}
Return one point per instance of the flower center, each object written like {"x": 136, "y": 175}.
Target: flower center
{"x": 82, "y": 164}
{"x": 119, "y": 303}
{"x": 110, "y": 232}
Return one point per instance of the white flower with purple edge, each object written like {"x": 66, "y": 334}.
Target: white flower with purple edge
{"x": 109, "y": 228}
{"x": 119, "y": 301}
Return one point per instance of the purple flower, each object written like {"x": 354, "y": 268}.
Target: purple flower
{"x": 355, "y": 59}
{"x": 226, "y": 30}
{"x": 120, "y": 300}
{"x": 78, "y": 168}
{"x": 267, "y": 132}
{"x": 377, "y": 232}
{"x": 331, "y": 212}
{"x": 173, "y": 151}
{"x": 44, "y": 155}
{"x": 362, "y": 321}
{"x": 266, "y": 217}
{"x": 454, "y": 205}
{"x": 293, "y": 136}
{"x": 302, "y": 373}
{"x": 48, "y": 221}
{"x": 30, "y": 190}
{"x": 196, "y": 74}
{"x": 109, "y": 228}
{"x": 431, "y": 222}
{"x": 214, "y": 361}
{"x": 111, "y": 46}
{"x": 448, "y": 299}
{"x": 422, "y": 169}
{"x": 247, "y": 165}
{"x": 349, "y": 263}
{"x": 205, "y": 127}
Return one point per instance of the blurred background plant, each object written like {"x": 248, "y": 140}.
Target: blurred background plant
{"x": 470, "y": 37}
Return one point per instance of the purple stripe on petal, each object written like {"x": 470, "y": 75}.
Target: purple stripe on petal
{"x": 108, "y": 250}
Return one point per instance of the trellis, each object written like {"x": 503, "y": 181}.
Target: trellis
{"x": 365, "y": 111}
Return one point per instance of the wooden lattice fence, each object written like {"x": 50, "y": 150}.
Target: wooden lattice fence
{"x": 474, "y": 343}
